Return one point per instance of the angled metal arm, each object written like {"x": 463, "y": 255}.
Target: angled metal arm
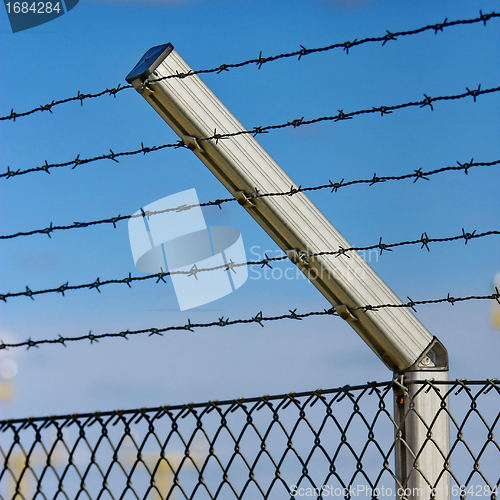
{"x": 300, "y": 229}
{"x": 294, "y": 222}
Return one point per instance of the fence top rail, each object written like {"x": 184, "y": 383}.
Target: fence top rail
{"x": 493, "y": 383}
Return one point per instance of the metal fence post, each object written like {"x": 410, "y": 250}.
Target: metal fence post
{"x": 423, "y": 429}
{"x": 308, "y": 238}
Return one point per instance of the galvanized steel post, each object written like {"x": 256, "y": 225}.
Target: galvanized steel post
{"x": 242, "y": 165}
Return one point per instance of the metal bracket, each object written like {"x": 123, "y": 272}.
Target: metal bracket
{"x": 244, "y": 199}
{"x": 192, "y": 143}
{"x": 298, "y": 256}
{"x": 345, "y": 313}
{"x": 142, "y": 87}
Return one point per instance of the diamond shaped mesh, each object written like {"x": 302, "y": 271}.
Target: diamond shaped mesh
{"x": 331, "y": 443}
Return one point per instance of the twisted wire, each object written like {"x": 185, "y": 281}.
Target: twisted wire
{"x": 457, "y": 386}
{"x": 333, "y": 186}
{"x": 424, "y": 241}
{"x": 260, "y": 61}
{"x": 341, "y": 116}
{"x": 258, "y": 318}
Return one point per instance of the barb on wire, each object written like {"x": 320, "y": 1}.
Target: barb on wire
{"x": 424, "y": 241}
{"x": 79, "y": 97}
{"x": 83, "y": 161}
{"x": 114, "y": 220}
{"x": 341, "y": 116}
{"x": 417, "y": 174}
{"x": 263, "y": 60}
{"x": 259, "y": 318}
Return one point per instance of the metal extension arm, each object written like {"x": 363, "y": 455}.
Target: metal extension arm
{"x": 300, "y": 229}
{"x": 294, "y": 222}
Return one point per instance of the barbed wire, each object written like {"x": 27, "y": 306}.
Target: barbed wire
{"x": 333, "y": 186}
{"x": 424, "y": 240}
{"x": 383, "y": 110}
{"x": 346, "y": 46}
{"x": 79, "y": 97}
{"x": 258, "y": 318}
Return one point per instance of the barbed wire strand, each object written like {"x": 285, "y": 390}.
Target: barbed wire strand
{"x": 258, "y": 318}
{"x": 383, "y": 110}
{"x": 424, "y": 240}
{"x": 333, "y": 186}
{"x": 260, "y": 61}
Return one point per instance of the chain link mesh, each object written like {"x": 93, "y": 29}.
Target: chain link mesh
{"x": 338, "y": 442}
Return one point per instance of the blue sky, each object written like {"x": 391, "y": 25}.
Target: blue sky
{"x": 94, "y": 47}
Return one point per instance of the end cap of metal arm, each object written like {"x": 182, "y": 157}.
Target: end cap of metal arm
{"x": 149, "y": 62}
{"x": 433, "y": 358}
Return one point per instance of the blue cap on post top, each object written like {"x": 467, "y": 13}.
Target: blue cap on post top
{"x": 149, "y": 62}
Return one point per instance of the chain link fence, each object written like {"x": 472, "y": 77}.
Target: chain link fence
{"x": 324, "y": 443}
